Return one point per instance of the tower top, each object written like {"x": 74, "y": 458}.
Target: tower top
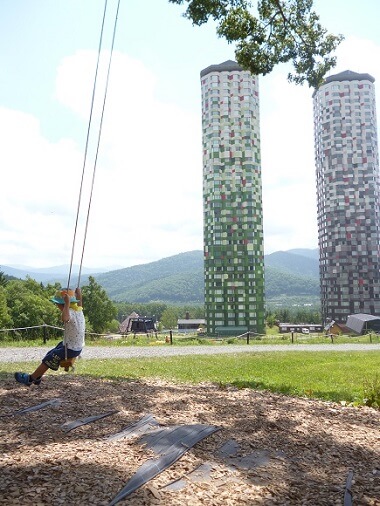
{"x": 348, "y": 75}
{"x": 227, "y": 66}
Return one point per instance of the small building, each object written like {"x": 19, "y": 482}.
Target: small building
{"x": 143, "y": 325}
{"x": 334, "y": 328}
{"x": 302, "y": 328}
{"x": 136, "y": 324}
{"x": 191, "y": 324}
{"x": 125, "y": 325}
{"x": 362, "y": 323}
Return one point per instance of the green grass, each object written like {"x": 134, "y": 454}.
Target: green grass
{"x": 194, "y": 340}
{"x": 331, "y": 376}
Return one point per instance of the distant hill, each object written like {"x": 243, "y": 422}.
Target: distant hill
{"x": 295, "y": 262}
{"x": 46, "y": 274}
{"x": 310, "y": 253}
{"x": 175, "y": 279}
{"x": 179, "y": 279}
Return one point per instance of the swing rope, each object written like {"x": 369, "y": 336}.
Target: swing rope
{"x": 87, "y": 143}
{"x": 99, "y": 137}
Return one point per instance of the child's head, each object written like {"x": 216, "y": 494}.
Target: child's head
{"x": 59, "y": 297}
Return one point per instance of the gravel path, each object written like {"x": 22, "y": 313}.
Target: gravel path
{"x": 35, "y": 353}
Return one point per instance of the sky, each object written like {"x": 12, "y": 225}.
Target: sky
{"x": 146, "y": 201}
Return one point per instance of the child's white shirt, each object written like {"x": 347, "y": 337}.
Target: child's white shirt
{"x": 75, "y": 330}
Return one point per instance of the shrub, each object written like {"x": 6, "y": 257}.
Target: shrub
{"x": 371, "y": 392}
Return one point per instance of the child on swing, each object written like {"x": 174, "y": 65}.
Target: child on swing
{"x": 70, "y": 304}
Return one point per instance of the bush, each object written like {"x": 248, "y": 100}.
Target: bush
{"x": 371, "y": 392}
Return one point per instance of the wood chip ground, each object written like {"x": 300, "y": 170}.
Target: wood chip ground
{"x": 291, "y": 451}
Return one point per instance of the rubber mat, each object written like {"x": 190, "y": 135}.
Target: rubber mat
{"x": 68, "y": 426}
{"x": 146, "y": 423}
{"x": 170, "y": 443}
{"x": 52, "y": 402}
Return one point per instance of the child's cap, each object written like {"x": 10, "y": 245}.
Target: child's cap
{"x": 58, "y": 297}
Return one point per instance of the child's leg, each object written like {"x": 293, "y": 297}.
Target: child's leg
{"x": 40, "y": 371}
{"x": 51, "y": 360}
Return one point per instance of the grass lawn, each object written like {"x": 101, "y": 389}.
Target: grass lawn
{"x": 349, "y": 377}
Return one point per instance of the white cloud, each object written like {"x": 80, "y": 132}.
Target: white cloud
{"x": 358, "y": 55}
{"x": 289, "y": 200}
{"x": 288, "y": 170}
{"x": 36, "y": 202}
{"x": 147, "y": 200}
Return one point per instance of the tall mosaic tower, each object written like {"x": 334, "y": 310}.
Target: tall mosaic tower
{"x": 348, "y": 195}
{"x": 232, "y": 201}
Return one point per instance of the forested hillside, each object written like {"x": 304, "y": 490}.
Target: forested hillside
{"x": 293, "y": 263}
{"x": 179, "y": 279}
{"x": 176, "y": 278}
{"x": 278, "y": 282}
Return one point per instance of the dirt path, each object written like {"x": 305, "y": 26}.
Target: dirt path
{"x": 288, "y": 451}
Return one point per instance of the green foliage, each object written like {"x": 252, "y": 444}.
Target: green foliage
{"x": 196, "y": 312}
{"x": 169, "y": 318}
{"x": 279, "y": 31}
{"x": 156, "y": 309}
{"x": 271, "y": 320}
{"x": 113, "y": 326}
{"x": 98, "y": 308}
{"x": 3, "y": 279}
{"x": 149, "y": 309}
{"x": 371, "y": 392}
{"x": 29, "y": 305}
{"x": 293, "y": 315}
{"x": 5, "y": 317}
{"x": 279, "y": 282}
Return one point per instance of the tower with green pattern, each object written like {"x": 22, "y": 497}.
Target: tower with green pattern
{"x": 232, "y": 201}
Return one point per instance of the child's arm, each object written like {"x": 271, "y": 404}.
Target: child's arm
{"x": 66, "y": 307}
{"x": 78, "y": 295}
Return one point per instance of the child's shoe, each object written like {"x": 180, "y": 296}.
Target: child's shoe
{"x": 24, "y": 378}
{"x": 37, "y": 381}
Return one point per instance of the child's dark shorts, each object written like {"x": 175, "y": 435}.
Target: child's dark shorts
{"x": 54, "y": 356}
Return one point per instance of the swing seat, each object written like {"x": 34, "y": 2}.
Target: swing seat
{"x": 67, "y": 363}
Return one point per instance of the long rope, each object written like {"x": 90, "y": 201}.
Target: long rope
{"x": 99, "y": 137}
{"x": 87, "y": 144}
{"x": 86, "y": 147}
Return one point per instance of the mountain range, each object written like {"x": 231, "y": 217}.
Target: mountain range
{"x": 178, "y": 279}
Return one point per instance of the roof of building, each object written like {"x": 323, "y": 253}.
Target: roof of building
{"x": 364, "y": 317}
{"x": 349, "y": 75}
{"x": 125, "y": 323}
{"x": 357, "y": 321}
{"x": 227, "y": 66}
{"x": 346, "y": 75}
{"x": 192, "y": 321}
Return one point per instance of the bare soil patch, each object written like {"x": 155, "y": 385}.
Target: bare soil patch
{"x": 291, "y": 451}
